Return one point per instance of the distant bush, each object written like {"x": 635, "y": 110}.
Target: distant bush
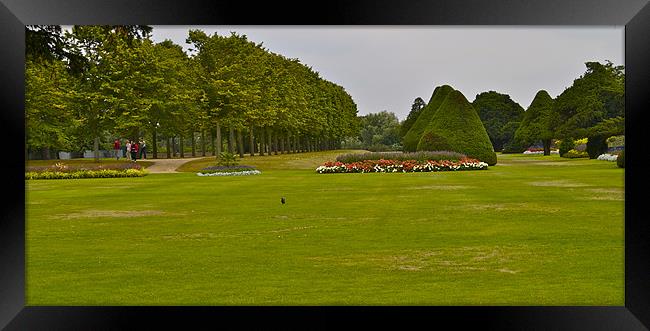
{"x": 575, "y": 154}
{"x": 384, "y": 148}
{"x": 227, "y": 159}
{"x": 620, "y": 161}
{"x": 566, "y": 145}
{"x": 398, "y": 156}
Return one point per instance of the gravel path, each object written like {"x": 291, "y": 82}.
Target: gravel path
{"x": 165, "y": 166}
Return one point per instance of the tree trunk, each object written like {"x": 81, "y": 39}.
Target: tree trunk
{"x": 169, "y": 147}
{"x": 193, "y": 145}
{"x": 202, "y": 142}
{"x": 252, "y": 141}
{"x": 231, "y": 140}
{"x": 181, "y": 145}
{"x": 270, "y": 140}
{"x": 219, "y": 144}
{"x": 240, "y": 143}
{"x": 275, "y": 142}
{"x": 212, "y": 142}
{"x": 282, "y": 150}
{"x": 96, "y": 146}
{"x": 45, "y": 153}
{"x": 154, "y": 148}
{"x": 547, "y": 147}
{"x": 261, "y": 135}
{"x": 291, "y": 143}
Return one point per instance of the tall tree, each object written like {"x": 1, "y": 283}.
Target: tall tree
{"x": 597, "y": 95}
{"x": 538, "y": 124}
{"x": 417, "y": 106}
{"x": 500, "y": 115}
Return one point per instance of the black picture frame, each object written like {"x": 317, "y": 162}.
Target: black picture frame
{"x": 634, "y": 14}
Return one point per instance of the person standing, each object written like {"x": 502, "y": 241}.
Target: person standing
{"x": 128, "y": 150}
{"x": 117, "y": 149}
{"x": 143, "y": 149}
{"x": 134, "y": 151}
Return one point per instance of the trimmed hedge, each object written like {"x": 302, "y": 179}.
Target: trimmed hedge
{"x": 107, "y": 173}
{"x": 457, "y": 127}
{"x": 412, "y": 137}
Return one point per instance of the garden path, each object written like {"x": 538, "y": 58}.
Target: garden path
{"x": 161, "y": 166}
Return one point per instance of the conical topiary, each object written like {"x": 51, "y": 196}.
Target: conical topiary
{"x": 537, "y": 122}
{"x": 457, "y": 127}
{"x": 412, "y": 137}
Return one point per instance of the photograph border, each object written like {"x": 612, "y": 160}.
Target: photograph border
{"x": 634, "y": 15}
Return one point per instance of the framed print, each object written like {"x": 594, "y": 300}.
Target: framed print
{"x": 304, "y": 165}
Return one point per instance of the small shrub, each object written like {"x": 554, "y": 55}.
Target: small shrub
{"x": 575, "y": 154}
{"x": 566, "y": 145}
{"x": 620, "y": 161}
{"x": 227, "y": 159}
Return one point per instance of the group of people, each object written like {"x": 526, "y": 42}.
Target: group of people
{"x": 131, "y": 149}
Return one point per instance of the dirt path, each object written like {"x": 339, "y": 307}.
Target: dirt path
{"x": 162, "y": 166}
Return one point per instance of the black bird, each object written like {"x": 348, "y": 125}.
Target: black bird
{"x": 283, "y": 200}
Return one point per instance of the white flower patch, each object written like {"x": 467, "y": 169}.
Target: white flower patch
{"x": 607, "y": 157}
{"x": 238, "y": 173}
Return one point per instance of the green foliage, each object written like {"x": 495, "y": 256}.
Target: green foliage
{"x": 537, "y": 122}
{"x": 575, "y": 154}
{"x": 597, "y": 95}
{"x": 500, "y": 116}
{"x": 49, "y": 113}
{"x": 379, "y": 129}
{"x": 456, "y": 127}
{"x": 620, "y": 161}
{"x": 118, "y": 83}
{"x": 418, "y": 105}
{"x": 596, "y": 145}
{"x": 227, "y": 159}
{"x": 566, "y": 145}
{"x": 413, "y": 136}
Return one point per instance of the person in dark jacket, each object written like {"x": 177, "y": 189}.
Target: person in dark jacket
{"x": 134, "y": 151}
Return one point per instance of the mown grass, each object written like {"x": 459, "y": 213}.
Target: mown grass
{"x": 532, "y": 230}
{"x": 273, "y": 162}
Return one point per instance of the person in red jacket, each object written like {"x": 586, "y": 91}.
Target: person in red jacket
{"x": 134, "y": 151}
{"x": 116, "y": 149}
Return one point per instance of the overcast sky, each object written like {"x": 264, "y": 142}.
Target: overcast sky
{"x": 386, "y": 68}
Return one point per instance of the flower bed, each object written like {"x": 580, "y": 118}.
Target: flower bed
{"x": 540, "y": 152}
{"x": 232, "y": 170}
{"x": 61, "y": 167}
{"x": 421, "y": 156}
{"x": 401, "y": 166}
{"x": 231, "y": 173}
{"x": 79, "y": 174}
{"x": 607, "y": 157}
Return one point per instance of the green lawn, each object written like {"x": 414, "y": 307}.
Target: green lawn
{"x": 531, "y": 230}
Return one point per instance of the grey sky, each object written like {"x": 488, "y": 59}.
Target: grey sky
{"x": 386, "y": 68}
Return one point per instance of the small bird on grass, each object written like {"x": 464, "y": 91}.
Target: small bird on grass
{"x": 283, "y": 200}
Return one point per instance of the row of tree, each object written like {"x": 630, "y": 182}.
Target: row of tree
{"x": 592, "y": 107}
{"x": 95, "y": 83}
